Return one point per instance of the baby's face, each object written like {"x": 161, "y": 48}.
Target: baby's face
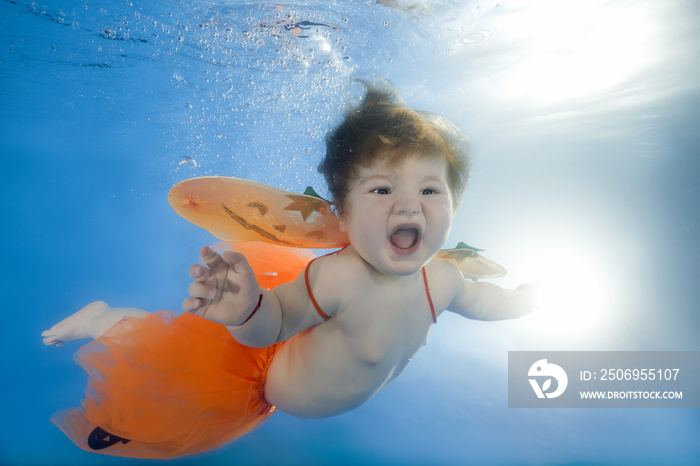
{"x": 398, "y": 218}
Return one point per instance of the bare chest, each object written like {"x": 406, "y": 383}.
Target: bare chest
{"x": 386, "y": 325}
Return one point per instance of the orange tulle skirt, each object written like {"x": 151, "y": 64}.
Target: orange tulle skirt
{"x": 163, "y": 386}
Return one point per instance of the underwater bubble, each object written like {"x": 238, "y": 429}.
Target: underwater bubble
{"x": 478, "y": 37}
{"x": 187, "y": 160}
{"x": 108, "y": 34}
{"x": 451, "y": 32}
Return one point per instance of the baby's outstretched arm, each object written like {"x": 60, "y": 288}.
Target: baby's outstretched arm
{"x": 227, "y": 292}
{"x": 486, "y": 301}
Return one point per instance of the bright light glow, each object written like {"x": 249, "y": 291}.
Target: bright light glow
{"x": 326, "y": 46}
{"x": 574, "y": 297}
{"x": 571, "y": 50}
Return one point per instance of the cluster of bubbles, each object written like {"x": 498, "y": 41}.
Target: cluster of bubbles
{"x": 244, "y": 81}
{"x": 261, "y": 91}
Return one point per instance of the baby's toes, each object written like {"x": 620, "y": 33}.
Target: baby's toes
{"x": 51, "y": 337}
{"x": 49, "y": 340}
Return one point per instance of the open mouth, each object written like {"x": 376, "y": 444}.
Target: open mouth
{"x": 405, "y": 238}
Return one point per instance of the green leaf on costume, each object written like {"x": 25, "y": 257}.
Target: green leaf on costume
{"x": 462, "y": 245}
{"x": 309, "y": 191}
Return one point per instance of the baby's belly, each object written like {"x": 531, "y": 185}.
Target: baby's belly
{"x": 311, "y": 379}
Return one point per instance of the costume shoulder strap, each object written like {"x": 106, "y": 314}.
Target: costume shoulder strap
{"x": 326, "y": 316}
{"x": 308, "y": 285}
{"x": 430, "y": 299}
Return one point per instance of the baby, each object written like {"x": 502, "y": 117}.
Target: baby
{"x": 354, "y": 319}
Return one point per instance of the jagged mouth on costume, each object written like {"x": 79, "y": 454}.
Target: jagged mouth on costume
{"x": 405, "y": 239}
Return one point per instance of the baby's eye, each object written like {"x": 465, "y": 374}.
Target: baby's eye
{"x": 383, "y": 191}
{"x": 428, "y": 191}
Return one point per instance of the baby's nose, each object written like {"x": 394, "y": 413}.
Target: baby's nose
{"x": 407, "y": 207}
{"x": 410, "y": 213}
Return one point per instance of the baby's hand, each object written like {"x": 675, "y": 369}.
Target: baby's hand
{"x": 226, "y": 292}
{"x": 532, "y": 294}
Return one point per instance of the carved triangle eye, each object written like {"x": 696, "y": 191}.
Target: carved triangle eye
{"x": 99, "y": 439}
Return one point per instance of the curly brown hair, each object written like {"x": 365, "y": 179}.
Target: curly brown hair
{"x": 384, "y": 128}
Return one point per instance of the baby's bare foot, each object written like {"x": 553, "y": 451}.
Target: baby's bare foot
{"x": 71, "y": 328}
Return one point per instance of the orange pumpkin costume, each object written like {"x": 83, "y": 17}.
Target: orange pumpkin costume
{"x": 163, "y": 386}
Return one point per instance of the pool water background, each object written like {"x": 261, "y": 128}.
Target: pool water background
{"x": 102, "y": 101}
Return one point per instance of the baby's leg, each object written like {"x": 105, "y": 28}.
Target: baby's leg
{"x": 90, "y": 322}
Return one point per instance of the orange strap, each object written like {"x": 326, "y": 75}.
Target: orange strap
{"x": 430, "y": 299}
{"x": 326, "y": 316}
{"x": 311, "y": 295}
{"x": 308, "y": 286}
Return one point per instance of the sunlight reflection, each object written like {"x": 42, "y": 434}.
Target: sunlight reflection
{"x": 573, "y": 50}
{"x": 575, "y": 295}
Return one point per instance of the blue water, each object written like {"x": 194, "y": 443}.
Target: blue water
{"x": 583, "y": 119}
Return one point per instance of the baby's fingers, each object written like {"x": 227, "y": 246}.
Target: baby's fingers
{"x": 212, "y": 258}
{"x": 191, "y": 304}
{"x": 199, "y": 273}
{"x": 235, "y": 259}
{"x": 200, "y": 290}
